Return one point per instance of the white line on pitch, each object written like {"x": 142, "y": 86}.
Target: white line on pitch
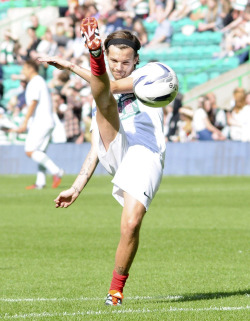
{"x": 170, "y": 298}
{"x": 125, "y": 311}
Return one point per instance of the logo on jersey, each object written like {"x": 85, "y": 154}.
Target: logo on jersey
{"x": 127, "y": 106}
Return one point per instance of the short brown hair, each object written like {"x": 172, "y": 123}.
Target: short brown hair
{"x": 32, "y": 63}
{"x": 123, "y": 34}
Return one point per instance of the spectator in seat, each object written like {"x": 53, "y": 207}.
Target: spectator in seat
{"x": 185, "y": 8}
{"x": 72, "y": 115}
{"x": 173, "y": 117}
{"x": 75, "y": 11}
{"x": 140, "y": 8}
{"x": 39, "y": 29}
{"x": 62, "y": 32}
{"x": 239, "y": 37}
{"x": 198, "y": 15}
{"x": 7, "y": 48}
{"x": 236, "y": 16}
{"x": 214, "y": 17}
{"x": 60, "y": 78}
{"x": 232, "y": 102}
{"x": 140, "y": 31}
{"x": 92, "y": 11}
{"x": 164, "y": 31}
{"x": 75, "y": 47}
{"x": 21, "y": 99}
{"x": 59, "y": 106}
{"x": 185, "y": 125}
{"x": 87, "y": 101}
{"x": 46, "y": 47}
{"x": 1, "y": 83}
{"x": 239, "y": 118}
{"x": 26, "y": 52}
{"x": 112, "y": 21}
{"x": 160, "y": 10}
{"x": 202, "y": 125}
{"x": 218, "y": 115}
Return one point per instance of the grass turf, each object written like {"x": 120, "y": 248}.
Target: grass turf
{"x": 192, "y": 263}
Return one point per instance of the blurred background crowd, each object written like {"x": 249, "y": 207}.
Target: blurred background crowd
{"x": 162, "y": 27}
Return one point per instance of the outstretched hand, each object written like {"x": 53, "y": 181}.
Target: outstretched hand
{"x": 56, "y": 61}
{"x": 66, "y": 198}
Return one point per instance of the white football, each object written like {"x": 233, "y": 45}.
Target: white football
{"x": 156, "y": 84}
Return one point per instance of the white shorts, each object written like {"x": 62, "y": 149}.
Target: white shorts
{"x": 136, "y": 169}
{"x": 38, "y": 138}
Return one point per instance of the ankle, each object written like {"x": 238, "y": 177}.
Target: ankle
{"x": 118, "y": 282}
{"x": 97, "y": 64}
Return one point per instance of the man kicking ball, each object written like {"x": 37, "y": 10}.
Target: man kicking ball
{"x": 128, "y": 140}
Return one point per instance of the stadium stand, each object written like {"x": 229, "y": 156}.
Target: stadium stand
{"x": 7, "y": 4}
{"x": 197, "y": 57}
{"x": 193, "y": 57}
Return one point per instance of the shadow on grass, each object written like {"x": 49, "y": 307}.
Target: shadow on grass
{"x": 203, "y": 296}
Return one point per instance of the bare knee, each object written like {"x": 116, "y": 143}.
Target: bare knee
{"x": 131, "y": 227}
{"x": 132, "y": 216}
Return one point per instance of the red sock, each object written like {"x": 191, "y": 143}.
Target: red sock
{"x": 97, "y": 65}
{"x": 118, "y": 282}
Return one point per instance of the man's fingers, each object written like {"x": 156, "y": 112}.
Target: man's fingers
{"x": 47, "y": 59}
{"x": 40, "y": 59}
{"x": 57, "y": 199}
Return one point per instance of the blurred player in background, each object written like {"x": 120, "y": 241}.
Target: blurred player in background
{"x": 40, "y": 123}
{"x": 128, "y": 140}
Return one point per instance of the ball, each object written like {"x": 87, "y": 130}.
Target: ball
{"x": 156, "y": 84}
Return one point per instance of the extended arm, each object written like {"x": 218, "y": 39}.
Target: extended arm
{"x": 67, "y": 197}
{"x": 121, "y": 86}
{"x": 63, "y": 64}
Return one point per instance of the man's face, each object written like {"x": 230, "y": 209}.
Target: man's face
{"x": 121, "y": 61}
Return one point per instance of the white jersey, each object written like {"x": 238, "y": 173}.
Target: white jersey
{"x": 135, "y": 158}
{"x": 38, "y": 90}
{"x": 143, "y": 125}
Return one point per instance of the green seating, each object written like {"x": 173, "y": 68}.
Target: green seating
{"x": 3, "y": 15}
{"x": 214, "y": 74}
{"x": 19, "y": 3}
{"x": 177, "y": 25}
{"x": 215, "y": 37}
{"x": 175, "y": 65}
{"x": 181, "y": 40}
{"x": 146, "y": 54}
{"x": 142, "y": 63}
{"x": 62, "y": 3}
{"x": 196, "y": 80}
{"x": 45, "y": 3}
{"x": 162, "y": 53}
{"x": 150, "y": 36}
{"x": 9, "y": 70}
{"x": 150, "y": 26}
{"x": 229, "y": 64}
{"x": 49, "y": 72}
{"x": 10, "y": 84}
{"x": 36, "y": 3}
{"x": 197, "y": 39}
{"x": 180, "y": 53}
{"x": 4, "y": 5}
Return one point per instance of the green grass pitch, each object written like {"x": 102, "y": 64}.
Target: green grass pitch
{"x": 193, "y": 261}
